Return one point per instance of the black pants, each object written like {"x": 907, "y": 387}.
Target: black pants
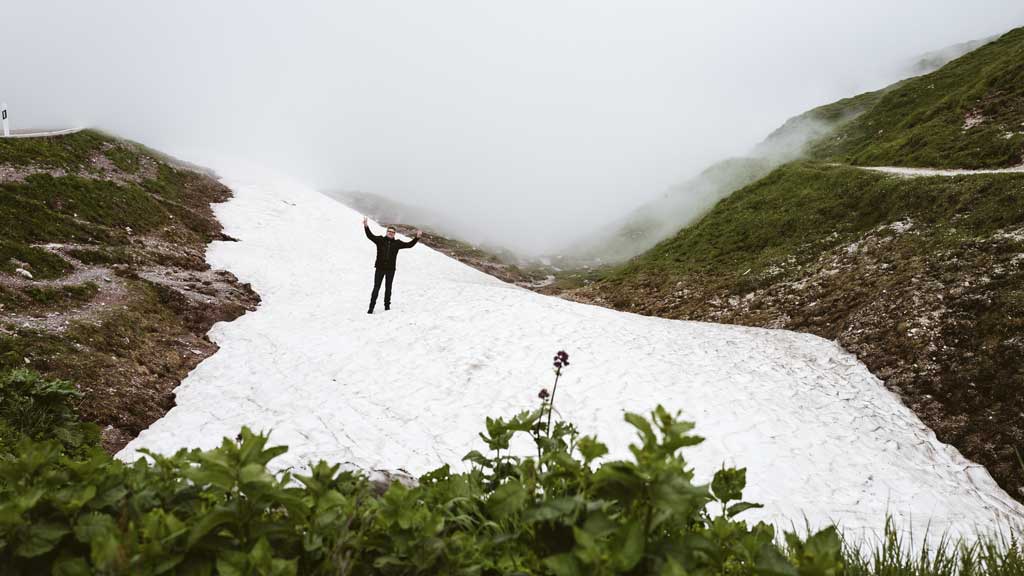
{"x": 379, "y": 275}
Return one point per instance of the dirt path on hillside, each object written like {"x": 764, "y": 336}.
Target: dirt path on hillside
{"x": 919, "y": 172}
{"x": 110, "y": 292}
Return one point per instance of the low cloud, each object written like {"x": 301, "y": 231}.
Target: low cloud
{"x": 528, "y": 125}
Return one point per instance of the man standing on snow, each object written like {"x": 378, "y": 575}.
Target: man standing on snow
{"x": 387, "y": 252}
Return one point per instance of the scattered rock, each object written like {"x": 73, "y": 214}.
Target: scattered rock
{"x": 381, "y": 480}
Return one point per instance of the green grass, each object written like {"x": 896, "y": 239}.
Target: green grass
{"x": 993, "y": 554}
{"x": 97, "y": 203}
{"x": 70, "y": 152}
{"x": 83, "y": 210}
{"x": 920, "y": 122}
{"x": 62, "y": 295}
{"x": 115, "y": 255}
{"x": 804, "y": 208}
{"x": 47, "y": 299}
{"x": 44, "y": 265}
{"x": 124, "y": 157}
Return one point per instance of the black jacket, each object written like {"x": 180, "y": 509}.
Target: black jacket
{"x": 387, "y": 249}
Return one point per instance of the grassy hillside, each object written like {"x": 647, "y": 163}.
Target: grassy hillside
{"x": 661, "y": 218}
{"x": 921, "y": 278}
{"x": 968, "y": 114}
{"x": 804, "y": 208}
{"x": 103, "y": 282}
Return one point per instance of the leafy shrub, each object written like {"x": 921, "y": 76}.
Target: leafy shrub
{"x": 35, "y": 408}
{"x": 221, "y": 510}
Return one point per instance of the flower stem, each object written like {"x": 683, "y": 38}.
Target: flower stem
{"x": 551, "y": 405}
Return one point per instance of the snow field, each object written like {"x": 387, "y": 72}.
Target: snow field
{"x": 820, "y": 436}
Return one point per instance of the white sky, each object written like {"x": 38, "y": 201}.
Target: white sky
{"x": 529, "y": 122}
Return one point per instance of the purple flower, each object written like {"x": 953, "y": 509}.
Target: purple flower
{"x": 558, "y": 364}
{"x": 543, "y": 394}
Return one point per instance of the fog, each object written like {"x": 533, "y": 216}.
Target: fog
{"x": 526, "y": 124}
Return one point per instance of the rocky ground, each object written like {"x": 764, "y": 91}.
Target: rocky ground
{"x": 125, "y": 316}
{"x": 914, "y": 316}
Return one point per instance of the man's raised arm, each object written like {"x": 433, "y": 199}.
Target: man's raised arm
{"x": 412, "y": 242}
{"x": 366, "y": 228}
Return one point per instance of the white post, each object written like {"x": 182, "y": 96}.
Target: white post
{"x": 3, "y": 113}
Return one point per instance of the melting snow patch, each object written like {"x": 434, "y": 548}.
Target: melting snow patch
{"x": 822, "y": 438}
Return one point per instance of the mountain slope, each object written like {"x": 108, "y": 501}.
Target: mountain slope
{"x": 921, "y": 278}
{"x": 968, "y": 114}
{"x": 685, "y": 203}
{"x": 410, "y": 387}
{"x": 102, "y": 276}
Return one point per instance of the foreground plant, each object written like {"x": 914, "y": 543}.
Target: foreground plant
{"x": 223, "y": 511}
{"x": 569, "y": 511}
{"x": 37, "y": 408}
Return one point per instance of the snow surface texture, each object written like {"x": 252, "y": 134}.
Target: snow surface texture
{"x": 821, "y": 437}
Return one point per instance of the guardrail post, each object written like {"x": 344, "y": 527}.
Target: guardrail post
{"x": 3, "y": 113}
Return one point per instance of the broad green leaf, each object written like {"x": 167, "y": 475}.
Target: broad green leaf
{"x": 168, "y": 564}
{"x": 93, "y": 526}
{"x": 261, "y": 554}
{"x": 628, "y": 545}
{"x": 105, "y": 552}
{"x": 618, "y": 480}
{"x": 728, "y": 484}
{"x": 673, "y": 568}
{"x": 212, "y": 476}
{"x": 588, "y": 550}
{"x": 642, "y": 426}
{"x": 563, "y": 565}
{"x": 282, "y": 567}
{"x": 741, "y": 507}
{"x": 39, "y": 538}
{"x": 213, "y": 519}
{"x": 590, "y": 448}
{"x": 255, "y": 474}
{"x": 507, "y": 499}
{"x": 551, "y": 509}
{"x": 232, "y": 563}
{"x": 71, "y": 566}
{"x": 820, "y": 554}
{"x": 771, "y": 562}
{"x": 477, "y": 458}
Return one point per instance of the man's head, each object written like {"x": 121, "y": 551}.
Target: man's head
{"x": 391, "y": 232}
